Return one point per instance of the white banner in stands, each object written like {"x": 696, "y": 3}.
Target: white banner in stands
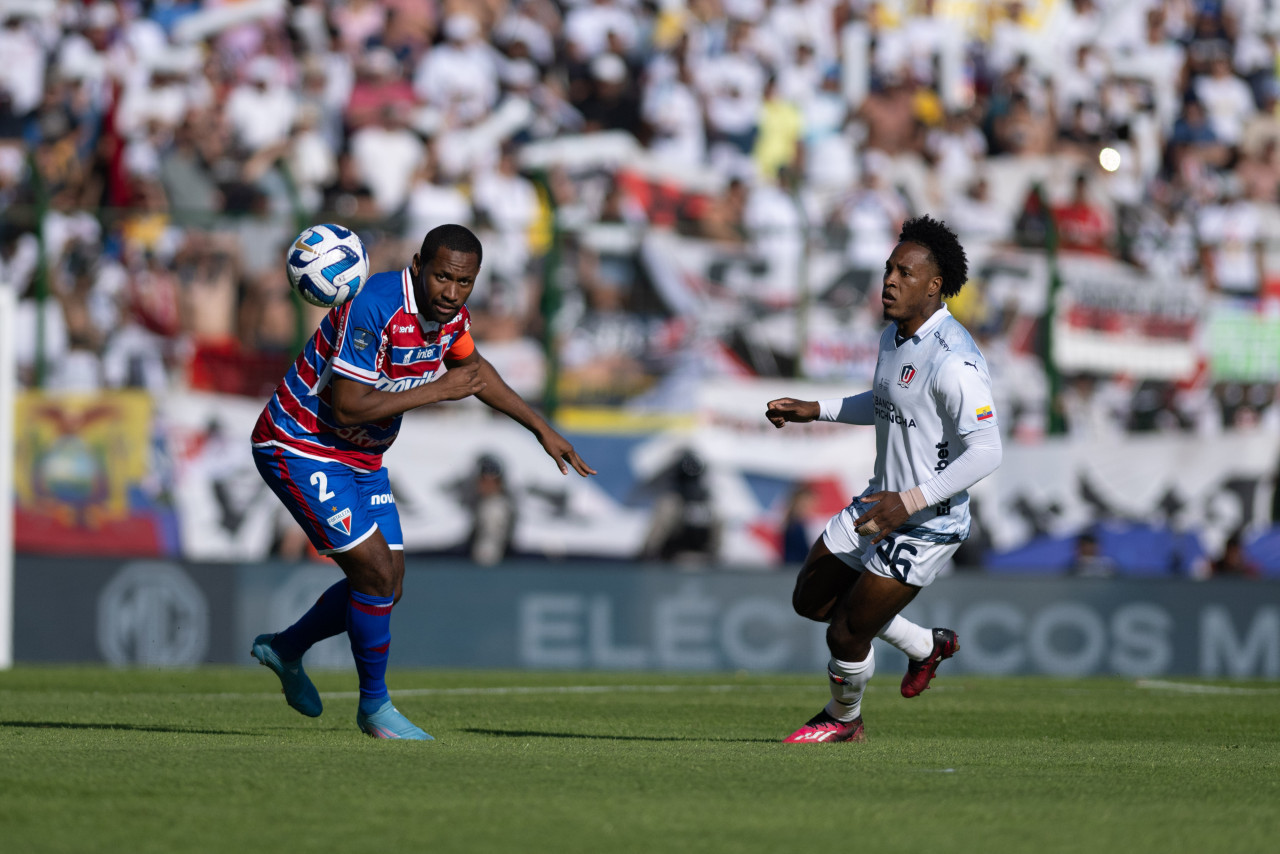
{"x": 1056, "y": 487}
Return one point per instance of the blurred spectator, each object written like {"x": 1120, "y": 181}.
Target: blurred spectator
{"x": 780, "y": 132}
{"x": 797, "y": 539}
{"x": 889, "y": 116}
{"x": 1233, "y": 562}
{"x": 432, "y": 200}
{"x": 380, "y": 89}
{"x": 1022, "y": 130}
{"x": 23, "y": 70}
{"x": 589, "y": 24}
{"x": 186, "y": 175}
{"x": 1083, "y": 225}
{"x": 1231, "y": 249}
{"x": 732, "y": 87}
{"x": 1088, "y": 561}
{"x": 508, "y": 204}
{"x": 775, "y": 225}
{"x": 358, "y": 22}
{"x": 1227, "y": 99}
{"x": 348, "y": 198}
{"x": 493, "y": 512}
{"x": 604, "y": 346}
{"x": 612, "y": 102}
{"x": 872, "y": 217}
{"x": 458, "y": 78}
{"x": 976, "y": 217}
{"x": 311, "y": 160}
{"x": 386, "y": 155}
{"x": 723, "y": 218}
{"x": 1259, "y": 172}
{"x": 684, "y": 528}
{"x": 672, "y": 112}
{"x": 954, "y": 150}
{"x": 261, "y": 109}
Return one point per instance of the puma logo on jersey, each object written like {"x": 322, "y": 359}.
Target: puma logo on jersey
{"x": 973, "y": 365}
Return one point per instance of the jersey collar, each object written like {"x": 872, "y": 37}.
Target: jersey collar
{"x": 925, "y": 328}
{"x": 411, "y": 302}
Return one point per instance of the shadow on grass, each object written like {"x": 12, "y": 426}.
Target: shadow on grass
{"x": 122, "y": 727}
{"x": 529, "y": 733}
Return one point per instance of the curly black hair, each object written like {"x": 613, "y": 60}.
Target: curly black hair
{"x": 944, "y": 248}
{"x": 457, "y": 238}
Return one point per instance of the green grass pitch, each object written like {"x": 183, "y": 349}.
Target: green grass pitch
{"x": 212, "y": 760}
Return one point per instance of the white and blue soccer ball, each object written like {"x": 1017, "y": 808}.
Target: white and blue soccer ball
{"x": 327, "y": 265}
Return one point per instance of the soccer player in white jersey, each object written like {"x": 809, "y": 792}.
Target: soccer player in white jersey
{"x": 936, "y": 436}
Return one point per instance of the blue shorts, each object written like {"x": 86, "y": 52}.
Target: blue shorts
{"x": 338, "y": 507}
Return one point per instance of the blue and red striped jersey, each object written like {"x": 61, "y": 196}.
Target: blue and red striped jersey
{"x": 377, "y": 339}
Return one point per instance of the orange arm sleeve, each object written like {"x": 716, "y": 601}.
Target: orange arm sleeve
{"x": 462, "y": 347}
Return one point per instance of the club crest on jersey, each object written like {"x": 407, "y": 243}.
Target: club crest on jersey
{"x": 907, "y": 375}
{"x": 361, "y": 338}
{"x": 341, "y": 520}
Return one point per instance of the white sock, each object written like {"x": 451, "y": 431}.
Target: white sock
{"x": 848, "y": 680}
{"x": 915, "y": 641}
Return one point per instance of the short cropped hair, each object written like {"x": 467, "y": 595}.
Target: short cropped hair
{"x": 457, "y": 238}
{"x": 944, "y": 247}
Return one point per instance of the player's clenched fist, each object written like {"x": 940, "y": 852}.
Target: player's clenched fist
{"x": 462, "y": 381}
{"x": 786, "y": 409}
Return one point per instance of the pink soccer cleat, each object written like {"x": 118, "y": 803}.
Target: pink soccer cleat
{"x": 945, "y": 645}
{"x": 822, "y": 729}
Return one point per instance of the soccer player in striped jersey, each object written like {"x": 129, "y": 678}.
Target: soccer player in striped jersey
{"x": 403, "y": 342}
{"x": 936, "y": 436}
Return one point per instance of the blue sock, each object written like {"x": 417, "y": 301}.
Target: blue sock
{"x": 326, "y": 618}
{"x": 369, "y": 628}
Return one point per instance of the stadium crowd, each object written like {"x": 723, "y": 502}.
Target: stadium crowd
{"x": 156, "y": 157}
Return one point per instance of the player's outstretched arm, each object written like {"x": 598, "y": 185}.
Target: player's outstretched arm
{"x": 503, "y": 398}
{"x": 786, "y": 409}
{"x": 356, "y": 403}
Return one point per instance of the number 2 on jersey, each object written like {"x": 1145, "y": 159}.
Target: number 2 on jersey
{"x": 319, "y": 480}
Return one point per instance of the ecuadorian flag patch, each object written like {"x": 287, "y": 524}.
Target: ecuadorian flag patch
{"x": 984, "y": 412}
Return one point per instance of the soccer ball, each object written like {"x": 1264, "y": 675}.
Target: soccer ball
{"x": 327, "y": 265}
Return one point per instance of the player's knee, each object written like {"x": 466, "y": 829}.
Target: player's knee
{"x": 813, "y": 602}
{"x": 371, "y": 577}
{"x": 807, "y": 608}
{"x": 845, "y": 643}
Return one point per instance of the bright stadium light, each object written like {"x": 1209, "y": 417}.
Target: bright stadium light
{"x": 1109, "y": 159}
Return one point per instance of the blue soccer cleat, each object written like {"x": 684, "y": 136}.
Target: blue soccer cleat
{"x": 387, "y": 722}
{"x": 294, "y": 682}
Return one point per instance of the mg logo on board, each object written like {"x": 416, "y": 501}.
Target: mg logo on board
{"x": 154, "y": 614}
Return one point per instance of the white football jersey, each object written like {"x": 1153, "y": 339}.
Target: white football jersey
{"x": 928, "y": 393}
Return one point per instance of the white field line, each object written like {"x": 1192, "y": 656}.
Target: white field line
{"x": 1192, "y": 688}
{"x": 522, "y": 690}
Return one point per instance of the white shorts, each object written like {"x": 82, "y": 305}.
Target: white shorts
{"x": 903, "y": 557}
